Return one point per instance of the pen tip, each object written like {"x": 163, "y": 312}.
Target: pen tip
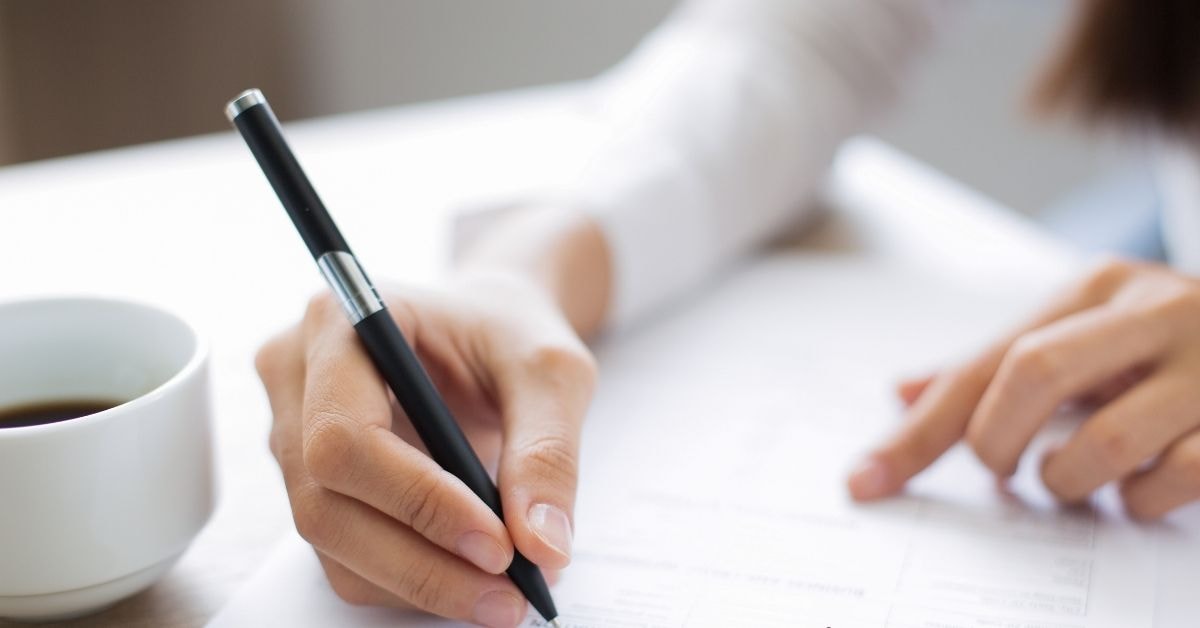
{"x": 554, "y": 622}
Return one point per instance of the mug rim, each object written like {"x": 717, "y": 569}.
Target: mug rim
{"x": 195, "y": 361}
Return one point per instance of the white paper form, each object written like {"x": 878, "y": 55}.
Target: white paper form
{"x": 713, "y": 479}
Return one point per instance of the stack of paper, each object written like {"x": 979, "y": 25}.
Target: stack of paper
{"x": 713, "y": 472}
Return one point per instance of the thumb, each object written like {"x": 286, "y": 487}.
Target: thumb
{"x": 543, "y": 401}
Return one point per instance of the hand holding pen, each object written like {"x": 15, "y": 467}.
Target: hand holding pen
{"x": 392, "y": 525}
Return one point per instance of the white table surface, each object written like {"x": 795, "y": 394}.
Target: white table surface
{"x": 192, "y": 224}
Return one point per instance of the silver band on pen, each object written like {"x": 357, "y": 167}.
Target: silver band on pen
{"x": 350, "y": 284}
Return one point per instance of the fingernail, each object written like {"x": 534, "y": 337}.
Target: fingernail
{"x": 499, "y": 609}
{"x": 552, "y": 526}
{"x": 870, "y": 479}
{"x": 483, "y": 551}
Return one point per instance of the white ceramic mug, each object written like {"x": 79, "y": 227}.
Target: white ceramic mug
{"x": 95, "y": 509}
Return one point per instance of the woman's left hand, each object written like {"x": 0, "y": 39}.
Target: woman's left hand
{"x": 1126, "y": 338}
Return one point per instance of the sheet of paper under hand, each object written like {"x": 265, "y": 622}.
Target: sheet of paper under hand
{"x": 713, "y": 480}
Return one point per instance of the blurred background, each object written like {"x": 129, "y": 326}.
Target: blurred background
{"x": 79, "y": 76}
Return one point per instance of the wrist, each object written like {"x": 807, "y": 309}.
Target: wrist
{"x": 561, "y": 252}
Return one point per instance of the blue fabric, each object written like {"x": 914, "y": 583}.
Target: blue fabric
{"x": 1119, "y": 214}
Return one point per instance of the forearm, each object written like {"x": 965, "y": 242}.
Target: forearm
{"x": 718, "y": 130}
{"x": 562, "y": 251}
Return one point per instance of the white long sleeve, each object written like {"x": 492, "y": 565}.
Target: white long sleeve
{"x": 1178, "y": 174}
{"x": 721, "y": 124}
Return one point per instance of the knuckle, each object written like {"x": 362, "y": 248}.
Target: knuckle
{"x": 272, "y": 356}
{"x": 408, "y": 313}
{"x": 1107, "y": 275}
{"x": 1114, "y": 448}
{"x": 311, "y": 511}
{"x": 1031, "y": 364}
{"x": 329, "y": 440}
{"x": 323, "y": 315}
{"x": 265, "y": 360}
{"x": 424, "y": 585}
{"x": 320, "y": 305}
{"x": 275, "y": 443}
{"x": 420, "y": 504}
{"x": 549, "y": 458}
{"x": 568, "y": 370}
{"x": 562, "y": 360}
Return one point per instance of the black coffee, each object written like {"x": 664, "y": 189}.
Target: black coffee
{"x": 52, "y": 411}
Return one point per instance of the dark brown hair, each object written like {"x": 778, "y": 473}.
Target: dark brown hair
{"x": 1133, "y": 60}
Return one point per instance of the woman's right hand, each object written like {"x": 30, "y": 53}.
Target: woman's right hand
{"x": 388, "y": 524}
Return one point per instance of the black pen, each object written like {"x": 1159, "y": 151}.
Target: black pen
{"x": 389, "y": 351}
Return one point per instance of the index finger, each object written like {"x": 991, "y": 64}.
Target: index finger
{"x": 937, "y": 420}
{"x": 939, "y": 417}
